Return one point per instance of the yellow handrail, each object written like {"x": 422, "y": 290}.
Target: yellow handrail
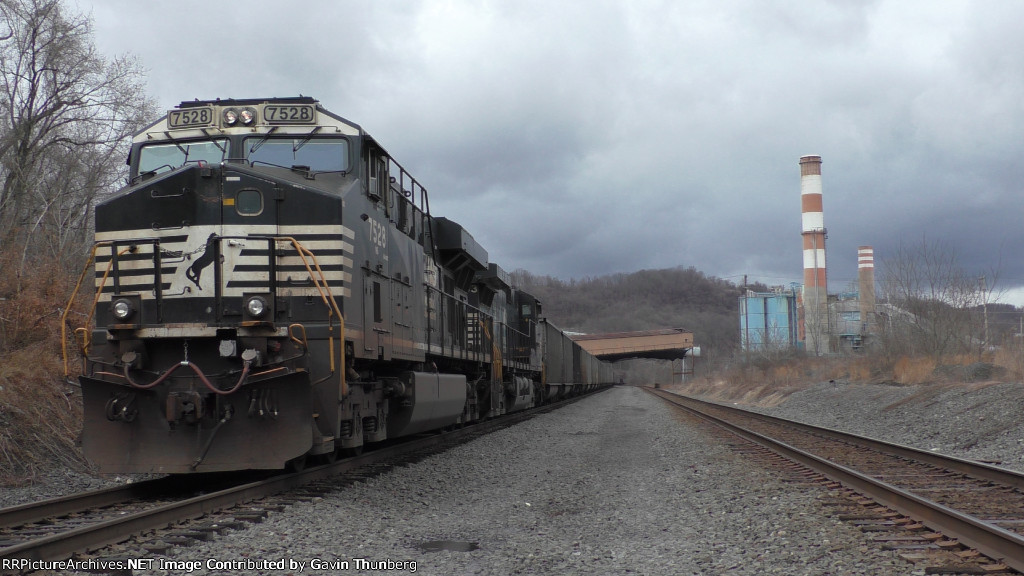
{"x": 92, "y": 310}
{"x": 301, "y": 342}
{"x": 332, "y": 306}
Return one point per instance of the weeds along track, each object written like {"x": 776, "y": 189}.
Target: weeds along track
{"x": 946, "y": 505}
{"x": 154, "y": 515}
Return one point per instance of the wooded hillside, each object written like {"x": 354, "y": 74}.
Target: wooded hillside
{"x": 671, "y": 298}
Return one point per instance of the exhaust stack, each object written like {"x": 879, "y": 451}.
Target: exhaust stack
{"x": 866, "y": 279}
{"x": 815, "y": 290}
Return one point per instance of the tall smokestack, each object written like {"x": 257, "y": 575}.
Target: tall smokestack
{"x": 815, "y": 292}
{"x": 866, "y": 279}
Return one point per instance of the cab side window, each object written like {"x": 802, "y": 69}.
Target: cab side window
{"x": 378, "y": 170}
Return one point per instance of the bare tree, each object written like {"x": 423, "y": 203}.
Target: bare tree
{"x": 934, "y": 307}
{"x": 66, "y": 114}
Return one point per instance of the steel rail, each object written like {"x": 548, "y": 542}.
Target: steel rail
{"x": 104, "y": 533}
{"x": 64, "y": 505}
{"x": 993, "y": 541}
{"x": 972, "y": 468}
{"x": 158, "y": 487}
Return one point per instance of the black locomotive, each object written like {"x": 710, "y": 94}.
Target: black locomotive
{"x": 271, "y": 286}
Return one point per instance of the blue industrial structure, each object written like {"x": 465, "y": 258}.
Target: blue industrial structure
{"x": 768, "y": 320}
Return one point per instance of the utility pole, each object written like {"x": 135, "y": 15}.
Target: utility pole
{"x": 984, "y": 308}
{"x": 746, "y": 318}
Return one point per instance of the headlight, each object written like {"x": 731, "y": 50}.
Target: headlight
{"x": 247, "y": 115}
{"x": 256, "y": 306}
{"x": 230, "y": 116}
{"x": 122, "y": 309}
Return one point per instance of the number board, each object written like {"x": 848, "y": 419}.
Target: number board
{"x": 289, "y": 114}
{"x": 189, "y": 117}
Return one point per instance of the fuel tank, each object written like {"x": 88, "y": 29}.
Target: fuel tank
{"x": 431, "y": 400}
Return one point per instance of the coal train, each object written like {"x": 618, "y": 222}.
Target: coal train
{"x": 270, "y": 286}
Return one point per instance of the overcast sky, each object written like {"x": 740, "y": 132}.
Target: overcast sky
{"x": 585, "y": 138}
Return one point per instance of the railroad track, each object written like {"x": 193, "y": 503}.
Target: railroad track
{"x": 64, "y": 528}
{"x": 948, "y": 504}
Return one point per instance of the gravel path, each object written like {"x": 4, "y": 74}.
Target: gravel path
{"x": 614, "y": 484}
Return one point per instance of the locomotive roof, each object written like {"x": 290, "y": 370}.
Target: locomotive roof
{"x": 248, "y": 101}
{"x": 161, "y": 129}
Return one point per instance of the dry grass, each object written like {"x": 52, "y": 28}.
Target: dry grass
{"x": 769, "y": 383}
{"x": 40, "y": 414}
{"x": 1012, "y": 359}
{"x": 911, "y": 371}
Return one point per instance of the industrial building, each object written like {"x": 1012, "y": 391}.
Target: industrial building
{"x": 806, "y": 316}
{"x": 768, "y": 320}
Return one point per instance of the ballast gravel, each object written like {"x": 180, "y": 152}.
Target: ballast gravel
{"x": 617, "y": 483}
{"x": 979, "y": 421}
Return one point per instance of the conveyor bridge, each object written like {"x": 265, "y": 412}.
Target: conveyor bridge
{"x": 662, "y": 344}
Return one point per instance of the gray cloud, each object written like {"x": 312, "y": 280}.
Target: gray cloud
{"x": 589, "y": 138}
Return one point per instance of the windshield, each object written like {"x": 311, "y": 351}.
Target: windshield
{"x": 158, "y": 157}
{"x": 320, "y": 154}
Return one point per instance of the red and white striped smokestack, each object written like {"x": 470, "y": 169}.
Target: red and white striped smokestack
{"x": 866, "y": 279}
{"x": 812, "y": 220}
{"x": 815, "y": 290}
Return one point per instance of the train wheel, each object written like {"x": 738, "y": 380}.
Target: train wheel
{"x": 351, "y": 452}
{"x": 296, "y": 464}
{"x": 328, "y": 458}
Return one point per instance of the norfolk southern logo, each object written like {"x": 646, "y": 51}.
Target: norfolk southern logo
{"x": 195, "y": 271}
